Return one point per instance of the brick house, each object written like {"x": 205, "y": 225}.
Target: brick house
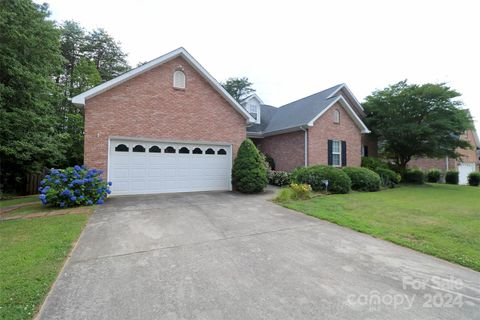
{"x": 469, "y": 162}
{"x": 324, "y": 128}
{"x": 169, "y": 126}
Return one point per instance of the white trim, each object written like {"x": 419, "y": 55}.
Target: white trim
{"x": 349, "y": 110}
{"x": 81, "y": 98}
{"x": 108, "y": 160}
{"x": 339, "y": 153}
{"x": 344, "y": 86}
{"x": 253, "y": 95}
{"x": 158, "y": 140}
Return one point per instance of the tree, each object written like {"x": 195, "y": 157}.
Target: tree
{"x": 249, "y": 173}
{"x": 239, "y": 88}
{"x": 30, "y": 58}
{"x": 417, "y": 121}
{"x": 106, "y": 53}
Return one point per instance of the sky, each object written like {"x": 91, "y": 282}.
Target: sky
{"x": 291, "y": 49}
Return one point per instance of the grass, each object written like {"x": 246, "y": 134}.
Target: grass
{"x": 437, "y": 219}
{"x": 32, "y": 253}
{"x": 32, "y": 208}
{"x": 15, "y": 201}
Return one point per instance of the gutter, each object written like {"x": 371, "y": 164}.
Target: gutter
{"x": 305, "y": 144}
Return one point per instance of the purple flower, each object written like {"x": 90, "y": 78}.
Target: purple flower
{"x": 110, "y": 183}
{"x": 57, "y": 181}
{"x": 100, "y": 201}
{"x": 109, "y": 191}
{"x": 42, "y": 182}
{"x": 77, "y": 168}
{"x": 62, "y": 204}
{"x": 89, "y": 202}
{"x": 42, "y": 197}
{"x": 73, "y": 198}
{"x": 65, "y": 192}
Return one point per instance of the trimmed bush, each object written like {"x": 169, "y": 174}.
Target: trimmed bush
{"x": 474, "y": 179}
{"x": 74, "y": 186}
{"x": 338, "y": 181}
{"x": 279, "y": 178}
{"x": 270, "y": 161}
{"x": 434, "y": 175}
{"x": 249, "y": 174}
{"x": 415, "y": 176}
{"x": 373, "y": 163}
{"x": 363, "y": 179}
{"x": 451, "y": 177}
{"x": 388, "y": 177}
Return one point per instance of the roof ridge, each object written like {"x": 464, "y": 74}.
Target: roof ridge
{"x": 311, "y": 95}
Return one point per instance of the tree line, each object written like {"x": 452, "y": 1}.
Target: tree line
{"x": 42, "y": 65}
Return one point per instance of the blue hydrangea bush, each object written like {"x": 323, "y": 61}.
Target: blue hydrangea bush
{"x": 74, "y": 186}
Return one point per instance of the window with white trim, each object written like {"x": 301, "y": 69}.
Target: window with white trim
{"x": 336, "y": 153}
{"x": 179, "y": 79}
{"x": 254, "y": 110}
{"x": 336, "y": 116}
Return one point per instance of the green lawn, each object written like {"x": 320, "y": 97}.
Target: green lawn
{"x": 32, "y": 253}
{"x": 33, "y": 208}
{"x": 12, "y": 202}
{"x": 441, "y": 220}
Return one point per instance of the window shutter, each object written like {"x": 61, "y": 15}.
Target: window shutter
{"x": 330, "y": 162}
{"x": 344, "y": 153}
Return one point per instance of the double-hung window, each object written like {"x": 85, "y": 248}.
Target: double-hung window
{"x": 336, "y": 153}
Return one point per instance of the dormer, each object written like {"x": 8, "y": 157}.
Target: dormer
{"x": 253, "y": 104}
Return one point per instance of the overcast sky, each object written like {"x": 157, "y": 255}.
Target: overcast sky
{"x": 290, "y": 49}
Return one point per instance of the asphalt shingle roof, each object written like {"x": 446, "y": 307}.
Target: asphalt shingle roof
{"x": 294, "y": 114}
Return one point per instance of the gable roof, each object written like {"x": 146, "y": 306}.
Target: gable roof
{"x": 180, "y": 52}
{"x": 304, "y": 112}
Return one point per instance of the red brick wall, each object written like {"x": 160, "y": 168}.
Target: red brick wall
{"x": 325, "y": 129}
{"x": 287, "y": 150}
{"x": 430, "y": 163}
{"x": 147, "y": 106}
{"x": 370, "y": 141}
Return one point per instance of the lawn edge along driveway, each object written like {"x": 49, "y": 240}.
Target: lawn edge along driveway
{"x": 32, "y": 254}
{"x": 436, "y": 219}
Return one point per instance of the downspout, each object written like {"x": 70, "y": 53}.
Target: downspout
{"x": 305, "y": 144}
{"x": 446, "y": 163}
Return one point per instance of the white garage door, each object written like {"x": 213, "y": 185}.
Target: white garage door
{"x": 464, "y": 169}
{"x": 142, "y": 167}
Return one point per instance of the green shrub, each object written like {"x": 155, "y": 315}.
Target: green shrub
{"x": 270, "y": 161}
{"x": 434, "y": 175}
{"x": 363, "y": 179}
{"x": 301, "y": 191}
{"x": 451, "y": 177}
{"x": 415, "y": 176}
{"x": 74, "y": 186}
{"x": 338, "y": 181}
{"x": 373, "y": 163}
{"x": 388, "y": 177}
{"x": 249, "y": 174}
{"x": 474, "y": 179}
{"x": 279, "y": 178}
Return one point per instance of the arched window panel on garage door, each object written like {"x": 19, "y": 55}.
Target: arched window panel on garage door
{"x": 121, "y": 148}
{"x": 155, "y": 149}
{"x": 170, "y": 149}
{"x": 221, "y": 151}
{"x": 210, "y": 151}
{"x": 138, "y": 148}
{"x": 197, "y": 151}
{"x": 184, "y": 150}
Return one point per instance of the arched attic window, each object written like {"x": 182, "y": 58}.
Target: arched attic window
{"x": 179, "y": 79}
{"x": 336, "y": 116}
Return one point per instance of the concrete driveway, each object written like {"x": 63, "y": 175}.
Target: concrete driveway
{"x": 231, "y": 256}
